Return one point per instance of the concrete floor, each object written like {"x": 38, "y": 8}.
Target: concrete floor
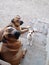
{"x": 31, "y": 11}
{"x": 36, "y": 54}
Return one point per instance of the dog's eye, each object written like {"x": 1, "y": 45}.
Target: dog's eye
{"x": 9, "y": 35}
{"x": 10, "y": 30}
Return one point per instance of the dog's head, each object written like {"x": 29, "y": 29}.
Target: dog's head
{"x": 17, "y": 21}
{"x": 11, "y": 33}
{"x": 30, "y": 32}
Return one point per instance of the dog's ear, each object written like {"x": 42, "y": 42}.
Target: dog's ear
{"x": 21, "y": 22}
{"x": 4, "y": 40}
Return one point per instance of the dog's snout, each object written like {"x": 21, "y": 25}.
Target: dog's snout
{"x": 21, "y": 22}
{"x": 11, "y": 32}
{"x": 16, "y": 34}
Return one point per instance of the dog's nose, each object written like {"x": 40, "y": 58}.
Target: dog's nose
{"x": 21, "y": 22}
{"x": 16, "y": 34}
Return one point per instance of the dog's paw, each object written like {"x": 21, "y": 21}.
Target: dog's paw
{"x": 28, "y": 26}
{"x": 24, "y": 52}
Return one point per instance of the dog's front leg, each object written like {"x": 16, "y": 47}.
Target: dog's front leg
{"x": 21, "y": 53}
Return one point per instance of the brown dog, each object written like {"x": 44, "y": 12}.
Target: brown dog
{"x": 15, "y": 22}
{"x": 11, "y": 48}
